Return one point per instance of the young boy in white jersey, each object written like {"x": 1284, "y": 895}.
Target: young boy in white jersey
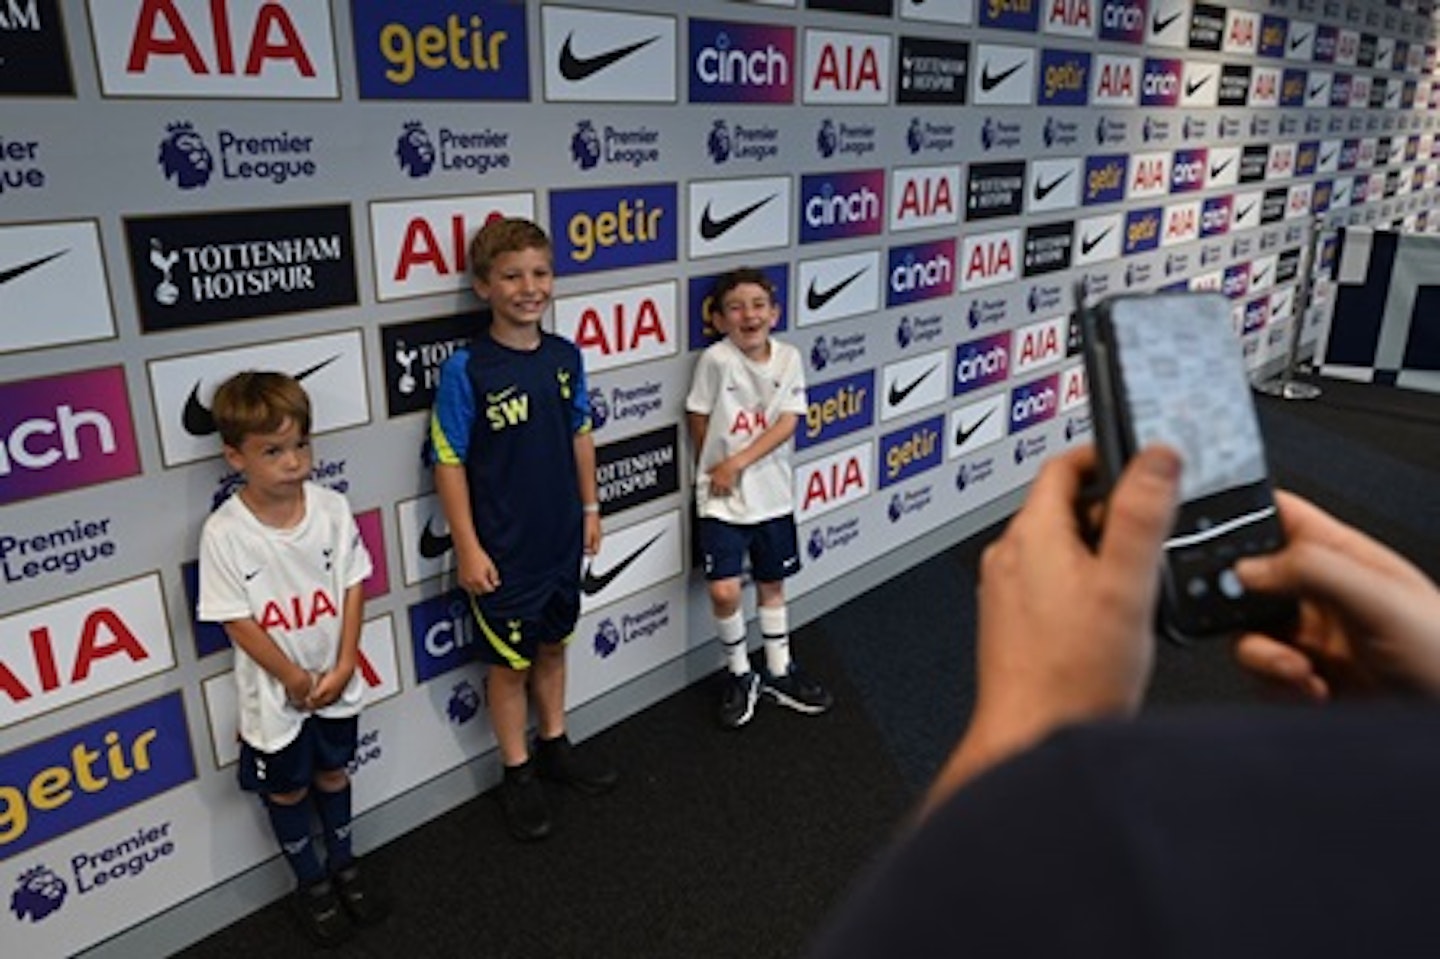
{"x": 281, "y": 568}
{"x": 747, "y": 394}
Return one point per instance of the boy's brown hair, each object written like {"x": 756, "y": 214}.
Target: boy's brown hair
{"x": 259, "y": 401}
{"x": 505, "y": 235}
{"x": 739, "y": 276}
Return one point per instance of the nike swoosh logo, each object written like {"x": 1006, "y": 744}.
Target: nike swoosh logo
{"x": 1327, "y": 158}
{"x": 498, "y": 397}
{"x": 15, "y": 272}
{"x": 962, "y": 435}
{"x": 1316, "y": 91}
{"x": 989, "y": 81}
{"x": 1295, "y": 42}
{"x": 1160, "y": 25}
{"x": 1091, "y": 242}
{"x": 1042, "y": 190}
{"x": 251, "y": 575}
{"x": 1191, "y": 87}
{"x": 712, "y": 229}
{"x": 575, "y": 68}
{"x": 1260, "y": 276}
{"x": 434, "y": 545}
{"x": 199, "y": 421}
{"x": 590, "y": 583}
{"x": 1216, "y": 171}
{"x": 1242, "y": 212}
{"x": 898, "y": 393}
{"x": 816, "y": 298}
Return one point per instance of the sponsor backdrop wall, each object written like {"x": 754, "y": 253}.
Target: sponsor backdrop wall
{"x": 193, "y": 187}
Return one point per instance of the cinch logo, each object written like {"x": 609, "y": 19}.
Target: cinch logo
{"x": 1182, "y": 223}
{"x": 1116, "y": 83}
{"x": 420, "y": 246}
{"x": 1215, "y": 215}
{"x": 1022, "y": 15}
{"x": 1105, "y": 178}
{"x": 836, "y": 408}
{"x": 702, "y": 333}
{"x": 924, "y": 197}
{"x": 1160, "y": 82}
{"x": 623, "y": 326}
{"x": 185, "y": 48}
{"x": 846, "y": 68}
{"x": 1149, "y": 175}
{"x": 65, "y": 432}
{"x": 1035, "y": 402}
{"x": 1142, "y": 230}
{"x": 833, "y": 481}
{"x": 81, "y": 647}
{"x": 912, "y": 450}
{"x": 741, "y": 62}
{"x": 1069, "y": 17}
{"x": 1257, "y": 312}
{"x": 1122, "y": 20}
{"x": 441, "y": 629}
{"x": 1325, "y": 38}
{"x": 836, "y": 206}
{"x": 613, "y": 227}
{"x": 1064, "y": 78}
{"x": 1187, "y": 171}
{"x": 60, "y": 784}
{"x": 1038, "y": 345}
{"x": 1292, "y": 87}
{"x": 427, "y": 51}
{"x": 981, "y": 363}
{"x": 278, "y": 157}
{"x": 990, "y": 259}
{"x": 924, "y": 271}
{"x": 475, "y": 152}
{"x": 1236, "y": 282}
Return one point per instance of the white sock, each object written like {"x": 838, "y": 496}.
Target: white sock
{"x": 731, "y": 630}
{"x": 775, "y": 631}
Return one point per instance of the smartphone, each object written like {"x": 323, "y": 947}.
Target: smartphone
{"x": 1168, "y": 368}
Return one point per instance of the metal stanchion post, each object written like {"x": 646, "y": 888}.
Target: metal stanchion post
{"x": 1285, "y": 385}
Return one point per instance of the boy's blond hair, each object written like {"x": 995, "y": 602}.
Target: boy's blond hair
{"x": 505, "y": 235}
{"x": 259, "y": 401}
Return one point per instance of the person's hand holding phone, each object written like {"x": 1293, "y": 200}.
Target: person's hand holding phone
{"x": 1369, "y": 620}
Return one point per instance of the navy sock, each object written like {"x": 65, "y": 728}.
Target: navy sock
{"x": 291, "y": 825}
{"x": 334, "y": 809}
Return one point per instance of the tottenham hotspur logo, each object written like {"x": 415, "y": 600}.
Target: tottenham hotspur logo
{"x": 184, "y": 157}
{"x": 415, "y": 151}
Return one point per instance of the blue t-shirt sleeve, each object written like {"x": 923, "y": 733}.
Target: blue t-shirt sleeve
{"x": 579, "y": 398}
{"x": 453, "y": 414}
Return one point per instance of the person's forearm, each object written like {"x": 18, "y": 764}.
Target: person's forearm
{"x": 585, "y": 468}
{"x": 249, "y": 637}
{"x": 775, "y": 436}
{"x": 351, "y": 624}
{"x": 453, "y": 489}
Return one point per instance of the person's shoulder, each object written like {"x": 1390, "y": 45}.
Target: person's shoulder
{"x": 223, "y": 518}
{"x": 325, "y": 498}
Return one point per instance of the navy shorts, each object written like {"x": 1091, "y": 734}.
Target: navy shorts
{"x": 514, "y": 642}
{"x": 772, "y": 546}
{"x": 323, "y": 745}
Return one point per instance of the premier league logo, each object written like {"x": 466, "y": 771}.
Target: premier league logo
{"x": 962, "y": 478}
{"x": 599, "y": 408}
{"x": 896, "y": 508}
{"x": 717, "y": 144}
{"x": 975, "y": 316}
{"x": 414, "y": 150}
{"x": 39, "y": 893}
{"x": 902, "y": 332}
{"x": 1100, "y": 131}
{"x": 914, "y": 136}
{"x": 827, "y": 141}
{"x": 184, "y": 157}
{"x": 585, "y": 145}
{"x": 816, "y": 544}
{"x": 1048, "y": 134}
{"x": 820, "y": 353}
{"x": 1019, "y": 452}
{"x": 607, "y": 638}
{"x": 987, "y": 133}
{"x": 464, "y": 703}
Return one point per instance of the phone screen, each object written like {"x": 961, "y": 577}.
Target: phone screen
{"x": 1184, "y": 382}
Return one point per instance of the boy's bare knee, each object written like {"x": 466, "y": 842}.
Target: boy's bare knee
{"x": 288, "y": 799}
{"x": 331, "y": 780}
{"x": 725, "y": 596}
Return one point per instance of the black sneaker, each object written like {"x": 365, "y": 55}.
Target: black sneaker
{"x": 557, "y": 761}
{"x": 318, "y": 909}
{"x": 523, "y": 800}
{"x": 798, "y": 691}
{"x": 737, "y": 704}
{"x": 360, "y": 902}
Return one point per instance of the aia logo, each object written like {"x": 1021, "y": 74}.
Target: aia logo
{"x": 833, "y": 481}
{"x": 620, "y": 327}
{"x": 184, "y": 156}
{"x": 924, "y": 197}
{"x": 415, "y": 151}
{"x": 419, "y": 246}
{"x": 585, "y": 145}
{"x": 38, "y": 893}
{"x": 990, "y": 259}
{"x": 846, "y": 67}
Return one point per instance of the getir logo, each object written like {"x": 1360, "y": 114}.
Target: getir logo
{"x": 833, "y": 481}
{"x": 837, "y": 206}
{"x": 1292, "y": 87}
{"x": 924, "y": 197}
{"x": 613, "y": 227}
{"x": 88, "y": 772}
{"x": 420, "y": 246}
{"x": 981, "y": 363}
{"x": 78, "y": 648}
{"x": 620, "y": 327}
{"x": 912, "y": 450}
{"x": 702, "y": 332}
{"x": 924, "y": 271}
{"x": 846, "y": 68}
{"x": 741, "y": 62}
{"x": 64, "y": 432}
{"x": 211, "y": 48}
{"x": 1035, "y": 402}
{"x": 1142, "y": 230}
{"x": 990, "y": 259}
{"x": 837, "y": 407}
{"x": 1022, "y": 15}
{"x": 1064, "y": 78}
{"x": 1105, "y": 178}
{"x": 425, "y": 50}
